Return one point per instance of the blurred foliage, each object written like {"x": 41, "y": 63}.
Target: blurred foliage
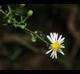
{"x": 17, "y": 49}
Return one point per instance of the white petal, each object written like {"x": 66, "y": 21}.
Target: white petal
{"x": 62, "y": 40}
{"x": 48, "y": 51}
{"x": 55, "y": 54}
{"x": 55, "y": 36}
{"x": 62, "y": 46}
{"x": 52, "y": 54}
{"x": 60, "y": 37}
{"x": 61, "y": 52}
{"x": 53, "y": 57}
{"x": 50, "y": 38}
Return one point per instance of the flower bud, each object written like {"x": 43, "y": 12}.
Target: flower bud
{"x": 22, "y": 26}
{"x": 29, "y": 13}
{"x": 9, "y": 21}
{"x": 22, "y": 5}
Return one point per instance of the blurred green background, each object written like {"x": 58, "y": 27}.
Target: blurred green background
{"x": 18, "y": 52}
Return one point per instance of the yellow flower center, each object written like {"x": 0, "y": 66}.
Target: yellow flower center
{"x": 56, "y": 45}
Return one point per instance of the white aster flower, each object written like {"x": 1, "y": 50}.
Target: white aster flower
{"x": 56, "y": 44}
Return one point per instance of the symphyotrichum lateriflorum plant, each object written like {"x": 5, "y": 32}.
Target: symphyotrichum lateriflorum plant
{"x": 56, "y": 40}
{"x": 56, "y": 44}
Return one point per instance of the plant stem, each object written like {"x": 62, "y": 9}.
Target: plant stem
{"x": 16, "y": 24}
{"x": 2, "y": 11}
{"x": 37, "y": 36}
{"x": 9, "y": 9}
{"x": 25, "y": 18}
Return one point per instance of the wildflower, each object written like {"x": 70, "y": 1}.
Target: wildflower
{"x": 56, "y": 44}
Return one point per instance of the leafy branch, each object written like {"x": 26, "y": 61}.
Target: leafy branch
{"x": 22, "y": 23}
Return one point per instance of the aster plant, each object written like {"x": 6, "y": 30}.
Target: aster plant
{"x": 57, "y": 42}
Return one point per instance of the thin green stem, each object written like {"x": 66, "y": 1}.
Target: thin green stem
{"x": 6, "y": 14}
{"x": 16, "y": 24}
{"x": 25, "y": 18}
{"x": 41, "y": 39}
{"x": 2, "y": 11}
{"x": 14, "y": 20}
{"x": 37, "y": 36}
{"x": 28, "y": 30}
{"x": 21, "y": 19}
{"x": 9, "y": 8}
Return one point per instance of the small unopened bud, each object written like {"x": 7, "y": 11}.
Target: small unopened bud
{"x": 9, "y": 21}
{"x": 22, "y": 5}
{"x": 33, "y": 40}
{"x": 22, "y": 26}
{"x": 36, "y": 31}
{"x": 29, "y": 13}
